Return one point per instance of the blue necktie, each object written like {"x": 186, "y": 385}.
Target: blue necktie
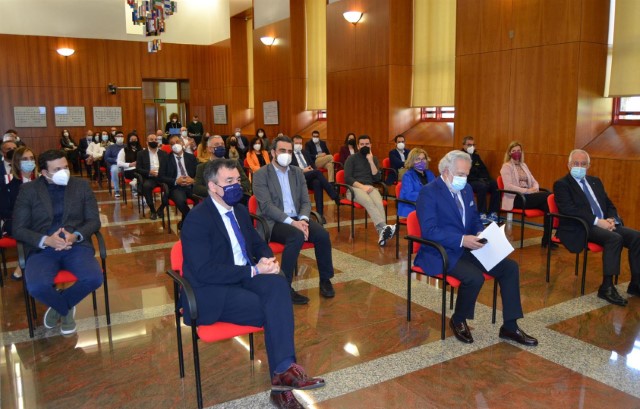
{"x": 238, "y": 233}
{"x": 455, "y": 198}
{"x": 594, "y": 206}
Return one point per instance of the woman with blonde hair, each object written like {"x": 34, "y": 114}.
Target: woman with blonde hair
{"x": 517, "y": 177}
{"x": 414, "y": 179}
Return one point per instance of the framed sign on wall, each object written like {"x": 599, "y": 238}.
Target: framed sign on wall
{"x": 270, "y": 112}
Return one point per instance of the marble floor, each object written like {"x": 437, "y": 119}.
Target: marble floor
{"x": 359, "y": 341}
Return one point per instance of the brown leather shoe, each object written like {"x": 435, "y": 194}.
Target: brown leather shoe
{"x": 461, "y": 331}
{"x": 285, "y": 400}
{"x": 294, "y": 378}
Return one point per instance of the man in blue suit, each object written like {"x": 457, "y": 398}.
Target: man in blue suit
{"x": 448, "y": 216}
{"x": 236, "y": 279}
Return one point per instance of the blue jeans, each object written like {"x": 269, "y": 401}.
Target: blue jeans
{"x": 114, "y": 178}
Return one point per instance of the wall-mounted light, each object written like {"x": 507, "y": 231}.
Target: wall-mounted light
{"x": 65, "y": 52}
{"x": 352, "y": 16}
{"x": 268, "y": 41}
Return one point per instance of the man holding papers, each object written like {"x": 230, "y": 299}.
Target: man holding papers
{"x": 448, "y": 215}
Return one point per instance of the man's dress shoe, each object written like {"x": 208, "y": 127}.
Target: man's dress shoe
{"x": 611, "y": 294}
{"x": 461, "y": 331}
{"x": 294, "y": 378}
{"x": 326, "y": 289}
{"x": 285, "y": 400}
{"x": 298, "y": 299}
{"x": 518, "y": 336}
{"x": 634, "y": 289}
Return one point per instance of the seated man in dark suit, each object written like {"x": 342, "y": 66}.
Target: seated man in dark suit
{"x": 397, "y": 157}
{"x": 54, "y": 217}
{"x": 320, "y": 155}
{"x": 315, "y": 179}
{"x": 148, "y": 164}
{"x": 235, "y": 278}
{"x": 83, "y": 145}
{"x": 215, "y": 146}
{"x": 282, "y": 193}
{"x": 178, "y": 172}
{"x": 482, "y": 183}
{"x": 448, "y": 216}
{"x": 584, "y": 196}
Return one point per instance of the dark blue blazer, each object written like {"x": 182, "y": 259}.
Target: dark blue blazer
{"x": 411, "y": 186}
{"x": 307, "y": 158}
{"x": 209, "y": 265}
{"x": 313, "y": 152}
{"x": 440, "y": 221}
{"x": 169, "y": 169}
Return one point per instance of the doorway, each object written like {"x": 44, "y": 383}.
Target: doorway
{"x": 161, "y": 98}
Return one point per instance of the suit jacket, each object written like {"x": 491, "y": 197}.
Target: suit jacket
{"x": 411, "y": 187}
{"x": 396, "y": 161}
{"x": 143, "y": 162}
{"x": 200, "y": 187}
{"x": 266, "y": 188}
{"x": 82, "y": 147}
{"x": 510, "y": 179}
{"x": 209, "y": 265}
{"x": 307, "y": 158}
{"x": 313, "y": 152}
{"x": 572, "y": 201}
{"x": 33, "y": 213}
{"x": 440, "y": 221}
{"x": 478, "y": 168}
{"x": 168, "y": 172}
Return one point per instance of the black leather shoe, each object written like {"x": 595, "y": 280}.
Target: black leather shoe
{"x": 518, "y": 336}
{"x": 553, "y": 245}
{"x": 153, "y": 216}
{"x": 611, "y": 295}
{"x": 298, "y": 299}
{"x": 326, "y": 289}
{"x": 634, "y": 289}
{"x": 180, "y": 225}
{"x": 461, "y": 331}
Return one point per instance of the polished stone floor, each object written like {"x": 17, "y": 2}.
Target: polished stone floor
{"x": 360, "y": 341}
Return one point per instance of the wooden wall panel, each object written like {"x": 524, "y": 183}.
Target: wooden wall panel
{"x": 14, "y": 71}
{"x": 595, "y": 21}
{"x": 482, "y": 26}
{"x": 542, "y": 22}
{"x": 544, "y": 87}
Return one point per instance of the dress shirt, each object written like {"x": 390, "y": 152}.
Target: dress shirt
{"x": 318, "y": 147}
{"x": 301, "y": 162}
{"x": 238, "y": 258}
{"x": 179, "y": 167}
{"x": 579, "y": 182}
{"x": 154, "y": 162}
{"x": 401, "y": 153}
{"x": 287, "y": 198}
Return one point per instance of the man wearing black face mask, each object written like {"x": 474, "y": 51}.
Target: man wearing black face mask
{"x": 148, "y": 163}
{"x": 54, "y": 217}
{"x": 362, "y": 171}
{"x": 7, "y": 147}
{"x": 215, "y": 146}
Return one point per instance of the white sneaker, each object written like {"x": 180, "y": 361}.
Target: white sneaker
{"x": 117, "y": 194}
{"x": 51, "y": 318}
{"x": 386, "y": 234}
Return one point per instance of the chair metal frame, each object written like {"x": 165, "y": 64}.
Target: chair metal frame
{"x": 342, "y": 189}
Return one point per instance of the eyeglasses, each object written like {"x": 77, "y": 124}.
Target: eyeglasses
{"x": 583, "y": 164}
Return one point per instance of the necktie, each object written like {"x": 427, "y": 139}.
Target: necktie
{"x": 592, "y": 202}
{"x": 238, "y": 233}
{"x": 183, "y": 172}
{"x": 455, "y": 198}
{"x": 301, "y": 160}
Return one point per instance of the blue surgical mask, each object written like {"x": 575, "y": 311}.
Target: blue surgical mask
{"x": 219, "y": 151}
{"x": 27, "y": 165}
{"x": 578, "y": 172}
{"x": 459, "y": 182}
{"x": 232, "y": 194}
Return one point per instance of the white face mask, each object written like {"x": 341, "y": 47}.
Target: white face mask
{"x": 177, "y": 148}
{"x": 238, "y": 134}
{"x": 184, "y": 134}
{"x": 256, "y": 147}
{"x": 315, "y": 139}
{"x": 400, "y": 146}
{"x": 471, "y": 149}
{"x": 284, "y": 159}
{"x": 119, "y": 141}
{"x": 61, "y": 177}
{"x": 66, "y": 134}
{"x": 260, "y": 134}
{"x": 297, "y": 147}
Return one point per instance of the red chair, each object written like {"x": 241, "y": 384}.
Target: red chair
{"x": 342, "y": 191}
{"x": 6, "y": 242}
{"x": 415, "y": 240}
{"x": 65, "y": 277}
{"x": 400, "y": 220}
{"x": 218, "y": 331}
{"x": 247, "y": 169}
{"x": 387, "y": 170}
{"x": 522, "y": 212}
{"x": 554, "y": 220}
{"x": 337, "y": 165}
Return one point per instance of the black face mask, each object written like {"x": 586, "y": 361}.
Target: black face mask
{"x": 233, "y": 142}
{"x": 153, "y": 145}
{"x": 364, "y": 151}
{"x": 9, "y": 155}
{"x": 351, "y": 142}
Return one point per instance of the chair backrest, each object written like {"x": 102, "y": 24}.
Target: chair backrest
{"x": 336, "y": 157}
{"x": 340, "y": 179}
{"x": 413, "y": 229}
{"x": 398, "y": 189}
{"x": 176, "y": 257}
{"x": 246, "y": 163}
{"x": 253, "y": 205}
{"x": 386, "y": 163}
{"x": 553, "y": 208}
{"x": 500, "y": 182}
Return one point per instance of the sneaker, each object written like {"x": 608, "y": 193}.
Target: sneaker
{"x": 493, "y": 217}
{"x": 385, "y": 234}
{"x": 484, "y": 219}
{"x": 117, "y": 194}
{"x": 69, "y": 323}
{"x": 51, "y": 318}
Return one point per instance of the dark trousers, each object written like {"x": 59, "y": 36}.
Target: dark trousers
{"x": 43, "y": 266}
{"x": 319, "y": 184}
{"x": 613, "y": 242}
{"x": 264, "y": 300}
{"x": 481, "y": 188}
{"x": 147, "y": 190}
{"x": 179, "y": 195}
{"x": 536, "y": 200}
{"x": 293, "y": 238}
{"x": 469, "y": 271}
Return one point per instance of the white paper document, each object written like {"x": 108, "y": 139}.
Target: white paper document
{"x": 496, "y": 249}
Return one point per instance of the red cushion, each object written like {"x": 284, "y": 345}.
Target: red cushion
{"x": 189, "y": 202}
{"x": 224, "y": 330}
{"x": 8, "y": 242}
{"x": 64, "y": 276}
{"x": 452, "y": 281}
{"x": 277, "y": 248}
{"x": 157, "y": 189}
{"x": 528, "y": 212}
{"x": 595, "y": 247}
{"x": 351, "y": 203}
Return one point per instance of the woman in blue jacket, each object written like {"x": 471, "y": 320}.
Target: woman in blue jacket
{"x": 417, "y": 175}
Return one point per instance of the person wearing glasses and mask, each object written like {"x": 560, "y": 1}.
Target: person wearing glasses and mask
{"x": 415, "y": 178}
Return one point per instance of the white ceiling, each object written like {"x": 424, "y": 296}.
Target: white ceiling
{"x": 200, "y": 22}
